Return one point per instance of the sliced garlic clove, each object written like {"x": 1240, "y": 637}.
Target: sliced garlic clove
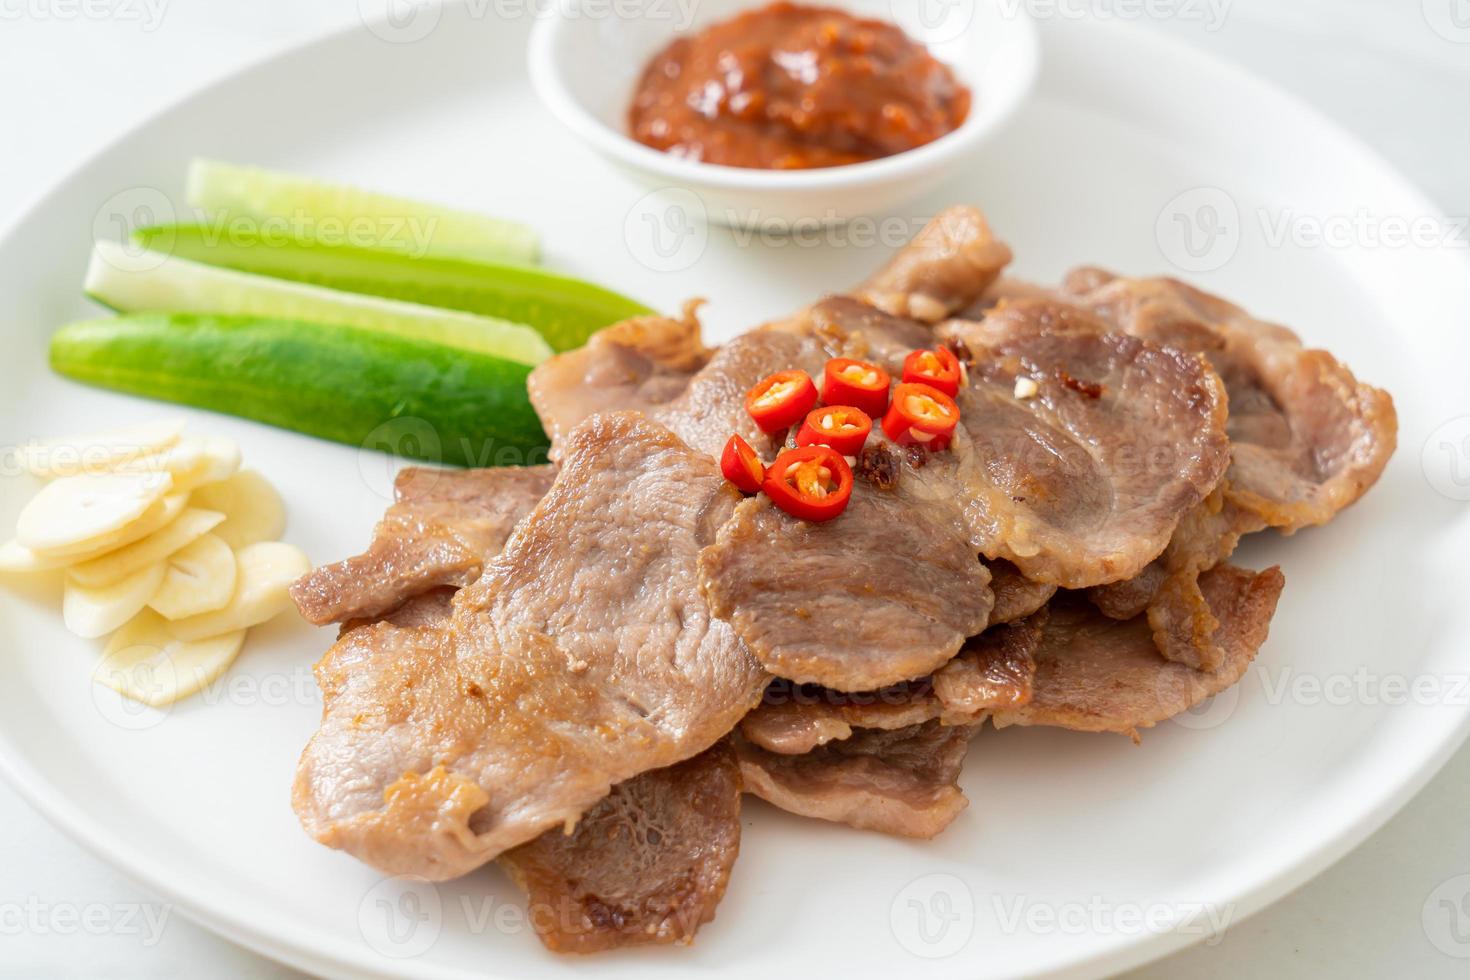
{"x": 156, "y": 517}
{"x": 98, "y": 452}
{"x": 96, "y": 612}
{"x": 74, "y": 511}
{"x": 200, "y": 579}
{"x": 221, "y": 461}
{"x": 253, "y": 510}
{"x": 187, "y": 527}
{"x": 192, "y": 461}
{"x": 145, "y": 661}
{"x": 266, "y": 570}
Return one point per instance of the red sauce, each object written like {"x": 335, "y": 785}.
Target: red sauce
{"x": 789, "y": 87}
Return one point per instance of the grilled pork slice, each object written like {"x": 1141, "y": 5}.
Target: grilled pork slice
{"x": 1307, "y": 439}
{"x": 902, "y": 781}
{"x": 1168, "y": 590}
{"x": 432, "y": 608}
{"x": 889, "y": 760}
{"x": 646, "y": 865}
{"x": 1016, "y": 596}
{"x": 885, "y": 593}
{"x": 794, "y": 719}
{"x": 635, "y": 365}
{"x": 1096, "y": 674}
{"x": 583, "y": 656}
{"x": 440, "y": 530}
{"x": 948, "y": 265}
{"x": 1008, "y": 289}
{"x": 647, "y": 362}
{"x": 1067, "y": 666}
{"x": 993, "y": 672}
{"x": 1087, "y": 446}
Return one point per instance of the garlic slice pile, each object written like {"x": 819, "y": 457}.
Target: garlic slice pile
{"x": 167, "y": 545}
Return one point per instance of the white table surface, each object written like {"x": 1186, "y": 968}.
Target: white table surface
{"x": 74, "y": 73}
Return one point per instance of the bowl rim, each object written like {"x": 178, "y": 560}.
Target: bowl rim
{"x": 548, "y": 81}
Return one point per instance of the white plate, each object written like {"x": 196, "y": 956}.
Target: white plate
{"x": 1071, "y": 838}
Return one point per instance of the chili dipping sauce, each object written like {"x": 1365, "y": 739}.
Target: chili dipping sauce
{"x": 789, "y": 87}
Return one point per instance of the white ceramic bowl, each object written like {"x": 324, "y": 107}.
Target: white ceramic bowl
{"x": 586, "y": 57}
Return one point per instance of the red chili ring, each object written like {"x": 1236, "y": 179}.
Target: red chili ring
{"x": 742, "y": 466}
{"x": 921, "y": 415}
{"x": 937, "y": 368}
{"x": 781, "y": 400}
{"x": 842, "y": 427}
{"x": 811, "y": 483}
{"x": 856, "y": 383}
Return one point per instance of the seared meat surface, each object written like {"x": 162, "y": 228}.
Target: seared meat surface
{"x": 439, "y": 531}
{"x": 1075, "y": 489}
{"x": 432, "y": 608}
{"x": 1007, "y": 289}
{"x": 1016, "y": 596}
{"x": 712, "y": 407}
{"x": 795, "y": 718}
{"x": 635, "y": 365}
{"x": 1083, "y": 481}
{"x": 848, "y": 327}
{"x": 850, "y": 604}
{"x": 646, "y": 865}
{"x": 1068, "y": 666}
{"x": 1308, "y": 438}
{"x": 1095, "y": 674}
{"x": 949, "y": 264}
{"x": 994, "y": 671}
{"x": 581, "y": 657}
{"x": 903, "y": 781}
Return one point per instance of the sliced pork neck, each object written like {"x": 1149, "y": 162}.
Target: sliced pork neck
{"x": 711, "y": 408}
{"x": 1067, "y": 666}
{"x": 1081, "y": 484}
{"x": 635, "y": 365}
{"x": 581, "y": 657}
{"x": 1016, "y": 596}
{"x": 1086, "y": 446}
{"x": 948, "y": 265}
{"x": 903, "y": 781}
{"x": 647, "y": 865}
{"x": 574, "y": 671}
{"x": 994, "y": 671}
{"x": 1096, "y": 674}
{"x": 884, "y": 593}
{"x": 442, "y": 527}
{"x": 848, "y": 327}
{"x": 1078, "y": 670}
{"x": 1308, "y": 438}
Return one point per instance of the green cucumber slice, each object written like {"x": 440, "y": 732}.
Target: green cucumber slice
{"x": 322, "y": 208}
{"x": 356, "y": 387}
{"x": 131, "y": 281}
{"x": 566, "y": 311}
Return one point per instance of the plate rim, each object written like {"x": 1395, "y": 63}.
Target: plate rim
{"x": 1254, "y": 889}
